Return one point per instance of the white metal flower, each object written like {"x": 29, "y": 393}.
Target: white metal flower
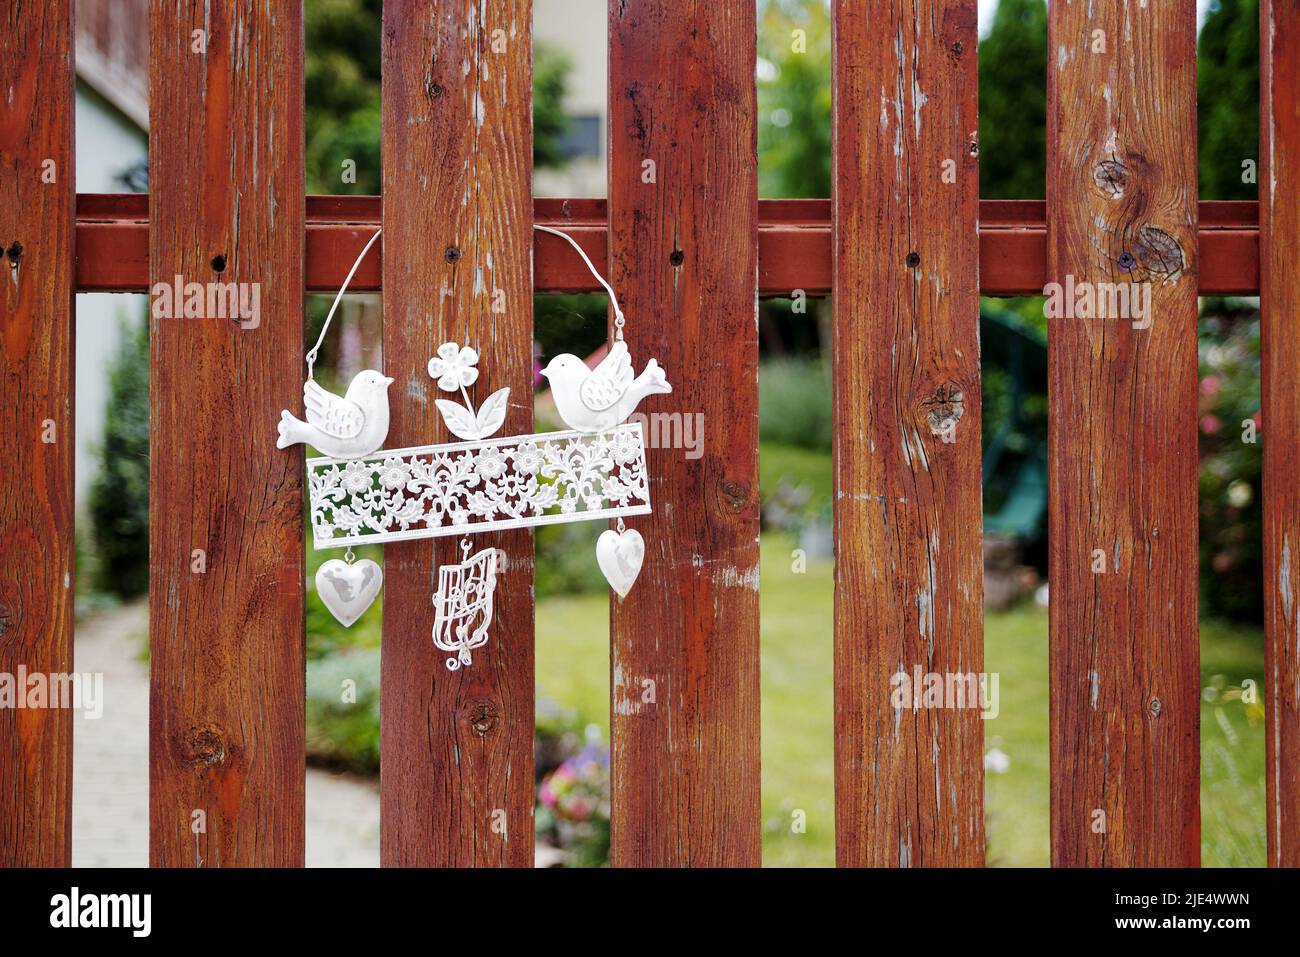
{"x": 453, "y": 367}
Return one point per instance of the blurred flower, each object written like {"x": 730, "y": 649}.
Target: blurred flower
{"x": 1240, "y": 494}
{"x": 1211, "y": 385}
{"x": 1210, "y": 424}
{"x": 578, "y": 790}
{"x": 996, "y": 761}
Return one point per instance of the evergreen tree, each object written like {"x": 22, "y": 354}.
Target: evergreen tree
{"x": 1227, "y": 108}
{"x": 1013, "y": 102}
{"x": 119, "y": 495}
{"x": 343, "y": 97}
{"x": 794, "y": 99}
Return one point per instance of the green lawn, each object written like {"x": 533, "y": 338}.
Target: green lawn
{"x": 797, "y": 719}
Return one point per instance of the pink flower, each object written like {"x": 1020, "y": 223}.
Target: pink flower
{"x": 1211, "y": 385}
{"x": 1210, "y": 424}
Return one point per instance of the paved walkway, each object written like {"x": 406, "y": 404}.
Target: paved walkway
{"x": 110, "y": 781}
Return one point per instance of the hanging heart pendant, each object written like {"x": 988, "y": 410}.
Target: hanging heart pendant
{"x": 619, "y": 556}
{"x": 348, "y": 590}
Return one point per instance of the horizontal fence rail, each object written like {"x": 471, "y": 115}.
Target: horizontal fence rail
{"x": 794, "y": 245}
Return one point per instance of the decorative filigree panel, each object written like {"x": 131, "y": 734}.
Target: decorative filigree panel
{"x": 469, "y": 487}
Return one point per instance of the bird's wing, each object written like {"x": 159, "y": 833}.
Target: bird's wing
{"x": 337, "y": 417}
{"x": 606, "y": 383}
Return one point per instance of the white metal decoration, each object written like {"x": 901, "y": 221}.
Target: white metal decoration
{"x": 619, "y": 553}
{"x": 360, "y": 494}
{"x": 463, "y": 604}
{"x": 490, "y": 485}
{"x": 348, "y": 426}
{"x": 453, "y": 367}
{"x": 348, "y": 588}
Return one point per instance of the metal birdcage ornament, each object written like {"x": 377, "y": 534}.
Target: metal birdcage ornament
{"x": 463, "y": 604}
{"x": 360, "y": 493}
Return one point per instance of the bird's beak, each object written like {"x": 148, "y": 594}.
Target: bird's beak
{"x": 389, "y": 380}
{"x": 546, "y": 373}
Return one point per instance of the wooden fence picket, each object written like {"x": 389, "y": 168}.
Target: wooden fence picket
{"x": 909, "y": 782}
{"x": 1279, "y": 300}
{"x": 457, "y": 747}
{"x": 37, "y": 223}
{"x": 683, "y": 241}
{"x": 1121, "y": 206}
{"x": 226, "y": 706}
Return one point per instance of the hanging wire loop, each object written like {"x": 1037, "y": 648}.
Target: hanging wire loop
{"x": 315, "y": 350}
{"x": 619, "y": 321}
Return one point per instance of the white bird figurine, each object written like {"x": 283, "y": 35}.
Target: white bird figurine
{"x": 350, "y": 427}
{"x": 594, "y": 400}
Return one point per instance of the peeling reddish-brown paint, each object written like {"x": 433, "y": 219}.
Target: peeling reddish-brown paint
{"x": 908, "y": 575}
{"x": 457, "y": 747}
{"x": 226, "y": 720}
{"x": 1122, "y": 438}
{"x": 36, "y": 367}
{"x": 1279, "y": 184}
{"x": 684, "y": 261}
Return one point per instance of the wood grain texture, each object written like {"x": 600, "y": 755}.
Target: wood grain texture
{"x": 36, "y": 419}
{"x": 1121, "y": 200}
{"x": 1279, "y": 298}
{"x": 684, "y": 262}
{"x": 227, "y": 688}
{"x": 909, "y": 781}
{"x": 457, "y": 746}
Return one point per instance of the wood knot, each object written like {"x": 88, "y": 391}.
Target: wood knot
{"x": 913, "y": 259}
{"x": 944, "y": 408}
{"x": 219, "y": 263}
{"x": 14, "y": 253}
{"x": 8, "y": 618}
{"x": 482, "y": 717}
{"x": 1159, "y": 254}
{"x": 434, "y": 89}
{"x": 676, "y": 257}
{"x": 1110, "y": 178}
{"x": 452, "y": 255}
{"x": 204, "y": 746}
{"x": 736, "y": 494}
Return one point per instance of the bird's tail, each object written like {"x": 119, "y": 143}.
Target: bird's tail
{"x": 291, "y": 430}
{"x": 652, "y": 379}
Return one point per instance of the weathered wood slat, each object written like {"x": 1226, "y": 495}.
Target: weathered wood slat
{"x": 1279, "y": 297}
{"x": 909, "y": 781}
{"x": 1121, "y": 201}
{"x": 37, "y": 235}
{"x": 683, "y": 221}
{"x": 226, "y": 513}
{"x": 457, "y": 747}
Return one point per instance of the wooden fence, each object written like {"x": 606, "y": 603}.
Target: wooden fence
{"x": 905, "y": 246}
